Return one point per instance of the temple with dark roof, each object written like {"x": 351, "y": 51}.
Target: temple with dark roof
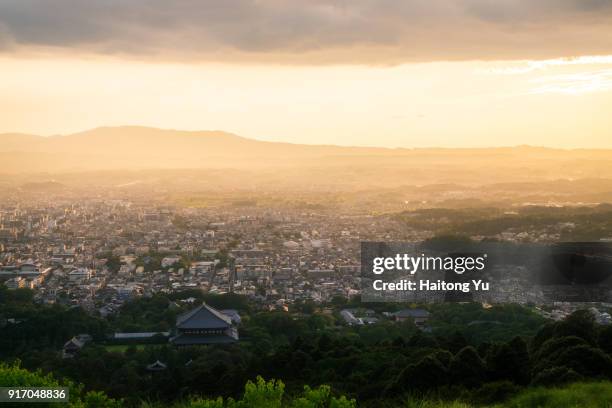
{"x": 204, "y": 325}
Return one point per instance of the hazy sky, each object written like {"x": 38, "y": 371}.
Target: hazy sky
{"x": 358, "y": 72}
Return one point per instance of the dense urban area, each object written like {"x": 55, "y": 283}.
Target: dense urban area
{"x": 133, "y": 299}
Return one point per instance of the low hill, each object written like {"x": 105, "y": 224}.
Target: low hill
{"x": 141, "y": 148}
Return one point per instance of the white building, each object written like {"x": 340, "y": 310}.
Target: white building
{"x": 80, "y": 275}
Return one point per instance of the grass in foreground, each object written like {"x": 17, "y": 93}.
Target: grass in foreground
{"x": 579, "y": 395}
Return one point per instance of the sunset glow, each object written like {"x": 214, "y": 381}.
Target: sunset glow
{"x": 468, "y": 103}
{"x": 395, "y": 74}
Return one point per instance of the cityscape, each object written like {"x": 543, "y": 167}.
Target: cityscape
{"x": 177, "y": 284}
{"x": 306, "y": 204}
{"x": 98, "y": 253}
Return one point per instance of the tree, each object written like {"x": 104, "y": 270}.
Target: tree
{"x": 605, "y": 339}
{"x": 320, "y": 398}
{"x": 22, "y": 295}
{"x": 113, "y": 263}
{"x": 548, "y": 353}
{"x": 556, "y": 376}
{"x": 15, "y": 376}
{"x": 444, "y": 356}
{"x": 581, "y": 323}
{"x": 586, "y": 360}
{"x": 467, "y": 368}
{"x": 263, "y": 394}
{"x": 509, "y": 361}
{"x": 456, "y": 342}
{"x": 420, "y": 339}
{"x": 269, "y": 394}
{"x": 428, "y": 373}
{"x": 545, "y": 333}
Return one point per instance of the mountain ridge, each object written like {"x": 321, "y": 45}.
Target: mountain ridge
{"x": 145, "y": 148}
{"x": 105, "y": 130}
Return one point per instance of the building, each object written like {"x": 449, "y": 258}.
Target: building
{"x": 25, "y": 270}
{"x": 350, "y": 318}
{"x": 157, "y": 366}
{"x": 320, "y": 273}
{"x": 204, "y": 325}
{"x": 140, "y": 336}
{"x": 15, "y": 283}
{"x": 169, "y": 261}
{"x": 72, "y": 347}
{"x": 80, "y": 275}
{"x": 233, "y": 315}
{"x": 419, "y": 316}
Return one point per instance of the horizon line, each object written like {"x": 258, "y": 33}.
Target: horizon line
{"x": 229, "y": 133}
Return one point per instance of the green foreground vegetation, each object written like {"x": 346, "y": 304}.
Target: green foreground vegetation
{"x": 512, "y": 357}
{"x": 271, "y": 394}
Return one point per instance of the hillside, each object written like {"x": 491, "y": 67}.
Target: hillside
{"x": 141, "y": 148}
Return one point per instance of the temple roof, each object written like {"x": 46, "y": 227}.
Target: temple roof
{"x": 203, "y": 317}
{"x": 157, "y": 366}
{"x": 194, "y": 340}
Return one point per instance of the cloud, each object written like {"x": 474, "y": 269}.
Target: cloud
{"x": 525, "y": 67}
{"x": 575, "y": 84}
{"x": 310, "y": 31}
{"x": 596, "y": 78}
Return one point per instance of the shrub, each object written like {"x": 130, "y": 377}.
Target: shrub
{"x": 495, "y": 392}
{"x": 556, "y": 376}
{"x": 269, "y": 394}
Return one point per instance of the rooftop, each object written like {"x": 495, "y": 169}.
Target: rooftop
{"x": 203, "y": 316}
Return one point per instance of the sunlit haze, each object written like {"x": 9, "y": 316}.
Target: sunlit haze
{"x": 451, "y": 74}
{"x": 306, "y": 203}
{"x": 451, "y": 104}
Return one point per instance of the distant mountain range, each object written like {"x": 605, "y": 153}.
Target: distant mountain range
{"x": 141, "y": 148}
{"x": 133, "y": 147}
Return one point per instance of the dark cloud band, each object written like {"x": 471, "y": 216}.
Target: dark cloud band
{"x": 312, "y": 31}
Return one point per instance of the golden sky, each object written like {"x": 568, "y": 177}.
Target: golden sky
{"x": 362, "y": 72}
